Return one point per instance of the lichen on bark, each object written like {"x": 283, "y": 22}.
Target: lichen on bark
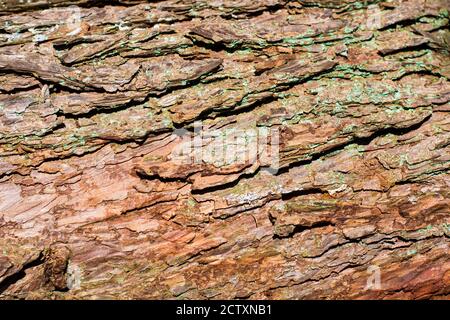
{"x": 97, "y": 98}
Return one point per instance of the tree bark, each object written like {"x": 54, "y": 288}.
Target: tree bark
{"x": 129, "y": 166}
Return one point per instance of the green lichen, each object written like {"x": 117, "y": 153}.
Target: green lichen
{"x": 444, "y": 13}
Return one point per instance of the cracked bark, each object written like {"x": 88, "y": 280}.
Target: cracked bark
{"x": 93, "y": 203}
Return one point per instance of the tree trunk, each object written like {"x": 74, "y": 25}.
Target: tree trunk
{"x": 197, "y": 149}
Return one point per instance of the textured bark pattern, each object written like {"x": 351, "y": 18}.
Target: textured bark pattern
{"x": 94, "y": 205}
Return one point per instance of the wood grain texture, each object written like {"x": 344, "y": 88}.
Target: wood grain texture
{"x": 96, "y": 97}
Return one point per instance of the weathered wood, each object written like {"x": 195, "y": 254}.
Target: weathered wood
{"x": 103, "y": 192}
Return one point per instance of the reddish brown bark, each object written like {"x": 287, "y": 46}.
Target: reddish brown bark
{"x": 97, "y": 100}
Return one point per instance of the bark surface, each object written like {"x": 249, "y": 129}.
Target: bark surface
{"x": 96, "y": 99}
